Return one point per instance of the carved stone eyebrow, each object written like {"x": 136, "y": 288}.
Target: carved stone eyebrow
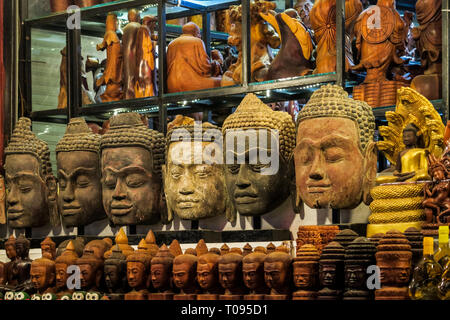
{"x": 76, "y": 172}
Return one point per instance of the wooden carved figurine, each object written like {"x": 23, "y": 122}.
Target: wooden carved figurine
{"x": 98, "y": 247}
{"x": 138, "y": 267}
{"x": 122, "y": 242}
{"x": 28, "y": 165}
{"x": 113, "y": 75}
{"x": 380, "y": 40}
{"x": 11, "y": 253}
{"x": 264, "y": 187}
{"x": 48, "y": 249}
{"x": 415, "y": 238}
{"x": 208, "y": 276}
{"x": 185, "y": 277}
{"x": 303, "y": 7}
{"x": 230, "y": 276}
{"x": 253, "y": 276}
{"x": 295, "y": 56}
{"x": 394, "y": 260}
{"x": 278, "y": 275}
{"x": 188, "y": 65}
{"x": 414, "y": 130}
{"x": 91, "y": 271}
{"x": 67, "y": 258}
{"x": 115, "y": 274}
{"x": 331, "y": 272}
{"x": 42, "y": 274}
{"x": 129, "y": 52}
{"x": 332, "y": 121}
{"x": 22, "y": 265}
{"x": 428, "y": 36}
{"x": 306, "y": 273}
{"x": 161, "y": 274}
{"x": 318, "y": 236}
{"x": 345, "y": 237}
{"x": 323, "y": 22}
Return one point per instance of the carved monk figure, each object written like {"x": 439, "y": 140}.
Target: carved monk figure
{"x": 113, "y": 75}
{"x": 306, "y": 273}
{"x": 78, "y": 155}
{"x": 115, "y": 272}
{"x": 189, "y": 182}
{"x": 185, "y": 276}
{"x": 22, "y": 265}
{"x": 278, "y": 275}
{"x": 138, "y": 267}
{"x": 91, "y": 271}
{"x": 188, "y": 65}
{"x": 67, "y": 258}
{"x": 161, "y": 270}
{"x": 208, "y": 276}
{"x": 10, "y": 248}
{"x": 253, "y": 275}
{"x": 48, "y": 249}
{"x": 131, "y": 158}
{"x": 335, "y": 157}
{"x": 32, "y": 187}
{"x": 42, "y": 275}
{"x": 129, "y": 50}
{"x": 230, "y": 276}
{"x": 257, "y": 183}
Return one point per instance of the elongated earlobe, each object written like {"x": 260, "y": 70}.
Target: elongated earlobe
{"x": 370, "y": 171}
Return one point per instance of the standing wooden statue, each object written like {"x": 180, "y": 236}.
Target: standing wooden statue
{"x": 145, "y": 73}
{"x": 112, "y": 76}
{"x": 380, "y": 40}
{"x": 129, "y": 52}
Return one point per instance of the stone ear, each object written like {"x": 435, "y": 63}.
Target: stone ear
{"x": 166, "y": 211}
{"x": 295, "y": 196}
{"x": 370, "y": 171}
{"x": 52, "y": 195}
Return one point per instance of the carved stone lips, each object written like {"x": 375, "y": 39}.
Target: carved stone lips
{"x": 121, "y": 209}
{"x": 14, "y": 214}
{"x": 318, "y": 188}
{"x": 245, "y": 197}
{"x": 70, "y": 210}
{"x": 187, "y": 203}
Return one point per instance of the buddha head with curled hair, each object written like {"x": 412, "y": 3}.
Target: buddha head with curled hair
{"x": 131, "y": 159}
{"x": 335, "y": 157}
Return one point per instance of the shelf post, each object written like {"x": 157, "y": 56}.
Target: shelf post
{"x": 246, "y": 44}
{"x": 162, "y": 65}
{"x": 74, "y": 100}
{"x": 25, "y": 71}
{"x": 206, "y": 32}
{"x": 340, "y": 43}
{"x": 445, "y": 59}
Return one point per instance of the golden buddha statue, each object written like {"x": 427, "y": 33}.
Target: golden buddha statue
{"x": 414, "y": 131}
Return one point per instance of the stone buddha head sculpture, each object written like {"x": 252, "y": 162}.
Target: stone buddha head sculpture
{"x": 42, "y": 274}
{"x": 115, "y": 271}
{"x": 138, "y": 268}
{"x": 185, "y": 273}
{"x": 79, "y": 174}
{"x": 335, "y": 157}
{"x": 331, "y": 267}
{"x": 230, "y": 273}
{"x": 253, "y": 272}
{"x": 208, "y": 273}
{"x": 161, "y": 270}
{"x": 306, "y": 268}
{"x": 32, "y": 188}
{"x": 48, "y": 249}
{"x": 131, "y": 158}
{"x": 193, "y": 176}
{"x": 91, "y": 269}
{"x": 67, "y": 258}
{"x": 258, "y": 145}
{"x": 278, "y": 272}
{"x": 358, "y": 256}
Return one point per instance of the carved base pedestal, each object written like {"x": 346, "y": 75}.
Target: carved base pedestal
{"x": 392, "y": 293}
{"x": 136, "y": 296}
{"x": 254, "y": 297}
{"x": 231, "y": 297}
{"x": 160, "y": 296}
{"x": 385, "y": 227}
{"x": 115, "y": 296}
{"x": 304, "y": 295}
{"x": 432, "y": 229}
{"x": 378, "y": 94}
{"x": 207, "y": 297}
{"x": 357, "y": 295}
{"x": 276, "y": 297}
{"x": 185, "y": 297}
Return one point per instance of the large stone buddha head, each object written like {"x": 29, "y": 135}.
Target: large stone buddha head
{"x": 32, "y": 188}
{"x": 131, "y": 158}
{"x": 193, "y": 176}
{"x": 79, "y": 174}
{"x": 335, "y": 156}
{"x": 258, "y": 145}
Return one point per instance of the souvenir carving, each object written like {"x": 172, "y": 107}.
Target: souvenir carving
{"x": 185, "y": 277}
{"x": 145, "y": 73}
{"x": 190, "y": 251}
{"x": 246, "y": 250}
{"x": 318, "y": 236}
{"x": 331, "y": 272}
{"x": 224, "y": 249}
{"x": 129, "y": 52}
{"x": 161, "y": 274}
{"x": 11, "y": 253}
{"x": 2, "y": 273}
{"x": 201, "y": 248}
{"x": 79, "y": 174}
{"x": 379, "y": 49}
{"x": 113, "y": 75}
{"x": 253, "y": 276}
{"x": 208, "y": 276}
{"x": 295, "y": 56}
{"x": 260, "y": 249}
{"x": 263, "y": 40}
{"x": 115, "y": 273}
{"x": 415, "y": 239}
{"x": 175, "y": 248}
{"x": 149, "y": 244}
{"x": 122, "y": 243}
{"x": 335, "y": 157}
{"x": 303, "y": 7}
{"x": 32, "y": 187}
{"x": 375, "y": 238}
{"x": 196, "y": 73}
{"x": 67, "y": 258}
{"x": 271, "y": 248}
{"x": 394, "y": 260}
{"x": 91, "y": 270}
{"x": 428, "y": 36}
{"x": 345, "y": 237}
{"x": 215, "y": 250}
{"x": 42, "y": 275}
{"x": 230, "y": 276}
{"x": 259, "y": 185}
{"x": 48, "y": 249}
{"x": 22, "y": 265}
{"x": 78, "y": 244}
{"x": 359, "y": 255}
{"x": 278, "y": 275}
{"x": 189, "y": 184}
{"x": 98, "y": 247}
{"x": 306, "y": 273}
{"x": 2, "y": 200}
{"x": 414, "y": 130}
{"x": 323, "y": 22}
{"x": 138, "y": 268}
{"x": 131, "y": 158}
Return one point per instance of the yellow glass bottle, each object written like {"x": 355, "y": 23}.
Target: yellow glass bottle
{"x": 426, "y": 276}
{"x": 442, "y": 255}
{"x": 444, "y": 285}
